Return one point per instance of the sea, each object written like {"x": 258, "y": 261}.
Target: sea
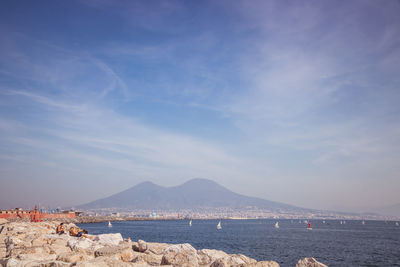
{"x": 350, "y": 243}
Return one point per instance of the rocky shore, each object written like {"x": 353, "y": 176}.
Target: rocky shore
{"x": 36, "y": 244}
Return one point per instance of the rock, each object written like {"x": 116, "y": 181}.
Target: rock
{"x": 207, "y": 256}
{"x": 157, "y": 248}
{"x": 180, "y": 255}
{"x": 263, "y": 264}
{"x": 73, "y": 257}
{"x": 122, "y": 252}
{"x": 147, "y": 258}
{"x": 12, "y": 262}
{"x": 142, "y": 246}
{"x": 81, "y": 244}
{"x": 309, "y": 262}
{"x": 3, "y": 221}
{"x": 233, "y": 260}
{"x": 105, "y": 262}
{"x": 109, "y": 239}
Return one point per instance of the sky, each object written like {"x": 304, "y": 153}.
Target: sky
{"x": 290, "y": 101}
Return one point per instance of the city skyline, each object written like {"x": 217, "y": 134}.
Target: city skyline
{"x": 294, "y": 102}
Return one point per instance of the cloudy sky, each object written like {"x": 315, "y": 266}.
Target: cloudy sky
{"x": 291, "y": 101}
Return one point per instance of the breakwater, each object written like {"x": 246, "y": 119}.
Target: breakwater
{"x": 37, "y": 244}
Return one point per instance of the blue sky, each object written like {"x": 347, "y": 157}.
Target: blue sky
{"x": 292, "y": 101}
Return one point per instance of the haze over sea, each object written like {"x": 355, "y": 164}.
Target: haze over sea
{"x": 351, "y": 244}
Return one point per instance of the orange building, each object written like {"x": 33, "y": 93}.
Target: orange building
{"x": 35, "y": 215}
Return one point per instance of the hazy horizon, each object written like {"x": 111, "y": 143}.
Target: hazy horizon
{"x": 289, "y": 101}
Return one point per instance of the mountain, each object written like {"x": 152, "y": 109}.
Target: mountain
{"x": 194, "y": 194}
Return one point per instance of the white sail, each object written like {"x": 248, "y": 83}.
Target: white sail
{"x": 109, "y": 224}
{"x": 190, "y": 223}
{"x": 219, "y": 225}
{"x": 276, "y": 225}
{"x": 363, "y": 222}
{"x": 397, "y": 224}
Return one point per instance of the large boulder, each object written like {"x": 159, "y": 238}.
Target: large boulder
{"x": 122, "y": 252}
{"x": 157, "y": 248}
{"x": 309, "y": 262}
{"x": 140, "y": 246}
{"x": 147, "y": 258}
{"x": 72, "y": 257}
{"x": 233, "y": 260}
{"x": 180, "y": 255}
{"x": 3, "y": 221}
{"x": 82, "y": 244}
{"x": 109, "y": 239}
{"x": 207, "y": 256}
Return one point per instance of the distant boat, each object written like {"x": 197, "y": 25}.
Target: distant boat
{"x": 341, "y": 222}
{"x": 323, "y": 221}
{"x": 362, "y": 222}
{"x": 309, "y": 226}
{"x": 190, "y": 223}
{"x": 276, "y": 225}
{"x": 305, "y": 221}
{"x": 344, "y": 222}
{"x": 219, "y": 227}
{"x": 109, "y": 224}
{"x": 397, "y": 224}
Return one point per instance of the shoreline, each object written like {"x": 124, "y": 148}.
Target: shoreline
{"x": 36, "y": 244}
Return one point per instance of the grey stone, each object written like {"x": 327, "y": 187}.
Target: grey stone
{"x": 309, "y": 262}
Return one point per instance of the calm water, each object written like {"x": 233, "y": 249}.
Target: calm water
{"x": 352, "y": 244}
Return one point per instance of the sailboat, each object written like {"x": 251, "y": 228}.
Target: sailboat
{"x": 190, "y": 223}
{"x": 219, "y": 227}
{"x": 397, "y": 224}
{"x": 323, "y": 221}
{"x": 109, "y": 224}
{"x": 344, "y": 222}
{"x": 341, "y": 222}
{"x": 277, "y": 225}
{"x": 362, "y": 222}
{"x": 309, "y": 226}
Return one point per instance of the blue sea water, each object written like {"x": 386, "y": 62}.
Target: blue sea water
{"x": 376, "y": 243}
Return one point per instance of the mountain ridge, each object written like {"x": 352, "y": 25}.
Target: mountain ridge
{"x": 197, "y": 193}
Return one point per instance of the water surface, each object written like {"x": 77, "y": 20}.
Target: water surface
{"x": 376, "y": 243}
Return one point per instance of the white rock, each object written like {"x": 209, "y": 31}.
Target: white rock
{"x": 109, "y": 239}
{"x": 207, "y": 256}
{"x": 80, "y": 243}
{"x": 180, "y": 255}
{"x": 309, "y": 262}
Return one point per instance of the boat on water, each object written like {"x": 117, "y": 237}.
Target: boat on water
{"x": 277, "y": 225}
{"x": 309, "y": 226}
{"x": 344, "y": 222}
{"x": 323, "y": 221}
{"x": 109, "y": 224}
{"x": 190, "y": 223}
{"x": 363, "y": 222}
{"x": 397, "y": 224}
{"x": 341, "y": 222}
{"x": 219, "y": 227}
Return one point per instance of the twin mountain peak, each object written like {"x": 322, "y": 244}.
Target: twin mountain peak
{"x": 195, "y": 194}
